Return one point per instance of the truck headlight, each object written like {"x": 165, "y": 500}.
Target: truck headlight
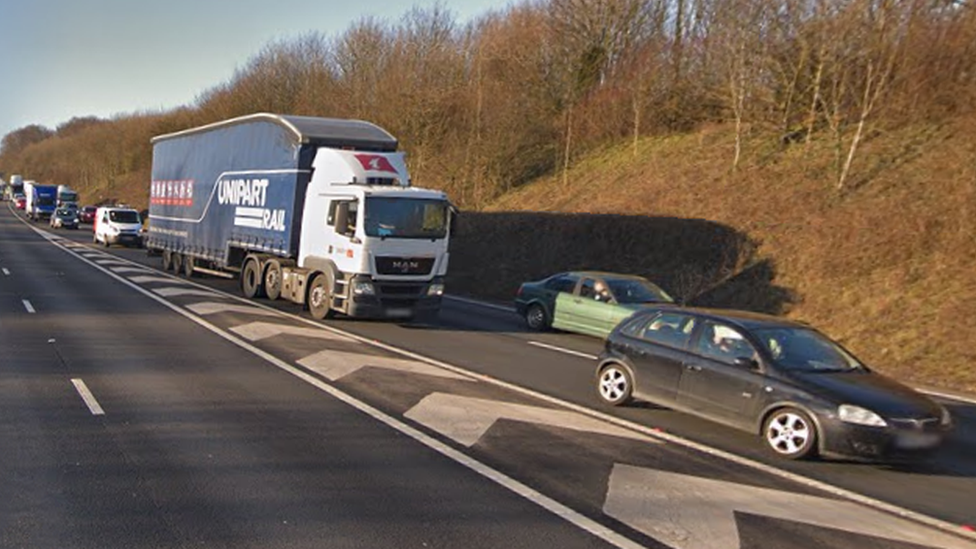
{"x": 363, "y": 287}
{"x": 436, "y": 288}
{"x": 849, "y": 413}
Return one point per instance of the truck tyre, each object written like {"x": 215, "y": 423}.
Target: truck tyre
{"x": 188, "y": 266}
{"x": 167, "y": 260}
{"x": 251, "y": 279}
{"x": 272, "y": 280}
{"x": 320, "y": 296}
{"x": 177, "y": 263}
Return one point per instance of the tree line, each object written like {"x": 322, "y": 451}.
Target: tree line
{"x": 485, "y": 107}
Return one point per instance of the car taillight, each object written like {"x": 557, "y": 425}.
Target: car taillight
{"x": 519, "y": 292}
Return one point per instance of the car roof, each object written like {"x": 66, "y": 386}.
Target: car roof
{"x": 603, "y": 274}
{"x": 746, "y": 319}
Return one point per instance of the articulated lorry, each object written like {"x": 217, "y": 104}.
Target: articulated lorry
{"x": 317, "y": 211}
{"x": 14, "y": 187}
{"x": 41, "y": 200}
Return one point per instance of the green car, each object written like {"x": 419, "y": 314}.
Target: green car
{"x": 587, "y": 302}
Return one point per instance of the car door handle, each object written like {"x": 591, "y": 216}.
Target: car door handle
{"x": 693, "y": 367}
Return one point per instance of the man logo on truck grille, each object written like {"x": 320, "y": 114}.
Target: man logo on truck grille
{"x": 375, "y": 163}
{"x": 406, "y": 266}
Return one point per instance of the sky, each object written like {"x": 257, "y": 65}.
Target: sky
{"x": 65, "y": 58}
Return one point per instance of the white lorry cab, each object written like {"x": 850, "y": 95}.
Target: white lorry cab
{"x": 117, "y": 225}
{"x": 317, "y": 211}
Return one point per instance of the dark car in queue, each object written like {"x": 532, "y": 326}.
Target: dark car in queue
{"x": 586, "y": 302}
{"x": 802, "y": 392}
{"x": 87, "y": 214}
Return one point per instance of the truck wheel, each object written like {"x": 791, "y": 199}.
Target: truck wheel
{"x": 320, "y": 297}
{"x": 272, "y": 280}
{"x": 188, "y": 266}
{"x": 167, "y": 260}
{"x": 177, "y": 263}
{"x": 251, "y": 279}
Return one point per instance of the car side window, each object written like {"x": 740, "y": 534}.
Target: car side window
{"x": 587, "y": 288}
{"x": 723, "y": 343}
{"x": 563, "y": 283}
{"x": 670, "y": 329}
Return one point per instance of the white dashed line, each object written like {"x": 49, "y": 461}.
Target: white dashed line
{"x": 28, "y": 306}
{"x": 6, "y": 271}
{"x": 561, "y": 350}
{"x": 88, "y": 397}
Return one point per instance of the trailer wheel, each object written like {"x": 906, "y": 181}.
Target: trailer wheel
{"x": 177, "y": 265}
{"x": 188, "y": 266}
{"x": 272, "y": 280}
{"x": 251, "y": 279}
{"x": 320, "y": 297}
{"x": 167, "y": 260}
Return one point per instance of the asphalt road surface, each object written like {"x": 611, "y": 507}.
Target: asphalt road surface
{"x": 139, "y": 409}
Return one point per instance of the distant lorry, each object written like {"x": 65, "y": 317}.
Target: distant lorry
{"x": 67, "y": 198}
{"x": 317, "y": 211}
{"x": 41, "y": 200}
{"x": 14, "y": 187}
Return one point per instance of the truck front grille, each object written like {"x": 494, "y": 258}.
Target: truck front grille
{"x": 389, "y": 265}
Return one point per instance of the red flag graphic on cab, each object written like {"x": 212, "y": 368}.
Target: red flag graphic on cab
{"x": 375, "y": 163}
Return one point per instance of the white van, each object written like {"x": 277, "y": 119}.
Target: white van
{"x": 117, "y": 226}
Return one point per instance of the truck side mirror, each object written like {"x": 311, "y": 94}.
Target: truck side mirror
{"x": 342, "y": 218}
{"x": 453, "y": 220}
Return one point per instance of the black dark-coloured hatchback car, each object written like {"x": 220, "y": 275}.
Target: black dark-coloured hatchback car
{"x": 802, "y": 392}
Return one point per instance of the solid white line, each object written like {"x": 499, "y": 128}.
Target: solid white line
{"x": 562, "y": 350}
{"x": 702, "y": 448}
{"x": 551, "y": 505}
{"x": 88, "y": 397}
{"x": 6, "y": 272}
{"x": 480, "y": 303}
{"x": 28, "y": 306}
{"x": 947, "y": 396}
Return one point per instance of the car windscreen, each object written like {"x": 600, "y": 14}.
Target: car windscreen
{"x": 637, "y": 291}
{"x": 406, "y": 218}
{"x": 65, "y": 213}
{"x": 805, "y": 350}
{"x": 124, "y": 217}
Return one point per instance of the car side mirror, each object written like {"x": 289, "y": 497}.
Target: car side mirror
{"x": 747, "y": 363}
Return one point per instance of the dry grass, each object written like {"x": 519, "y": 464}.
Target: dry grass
{"x": 885, "y": 266}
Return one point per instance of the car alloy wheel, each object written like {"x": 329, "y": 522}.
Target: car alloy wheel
{"x": 536, "y": 318}
{"x": 790, "y": 433}
{"x": 614, "y": 385}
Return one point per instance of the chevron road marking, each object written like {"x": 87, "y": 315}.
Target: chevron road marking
{"x": 337, "y": 364}
{"x": 130, "y": 270}
{"x": 466, "y": 419}
{"x": 110, "y": 262}
{"x": 149, "y": 278}
{"x": 689, "y": 512}
{"x": 177, "y": 291}
{"x": 214, "y": 307}
{"x": 262, "y": 330}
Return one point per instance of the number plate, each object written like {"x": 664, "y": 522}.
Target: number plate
{"x": 911, "y": 441}
{"x": 398, "y": 313}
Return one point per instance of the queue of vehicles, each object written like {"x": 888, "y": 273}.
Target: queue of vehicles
{"x": 322, "y": 212}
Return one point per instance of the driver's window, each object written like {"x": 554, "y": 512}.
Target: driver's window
{"x": 723, "y": 343}
{"x": 587, "y": 288}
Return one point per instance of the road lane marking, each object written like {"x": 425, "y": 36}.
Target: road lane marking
{"x": 131, "y": 270}
{"x": 28, "y": 306}
{"x": 466, "y": 419}
{"x": 480, "y": 303}
{"x": 6, "y": 271}
{"x": 110, "y": 261}
{"x": 256, "y": 331}
{"x": 214, "y": 307}
{"x": 88, "y": 397}
{"x": 338, "y": 364}
{"x": 152, "y": 278}
{"x": 936, "y": 523}
{"x": 690, "y": 512}
{"x": 177, "y": 291}
{"x": 562, "y": 350}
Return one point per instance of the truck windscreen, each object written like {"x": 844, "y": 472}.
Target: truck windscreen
{"x": 45, "y": 200}
{"x": 406, "y": 218}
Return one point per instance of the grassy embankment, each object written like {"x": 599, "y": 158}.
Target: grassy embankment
{"x": 887, "y": 266}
